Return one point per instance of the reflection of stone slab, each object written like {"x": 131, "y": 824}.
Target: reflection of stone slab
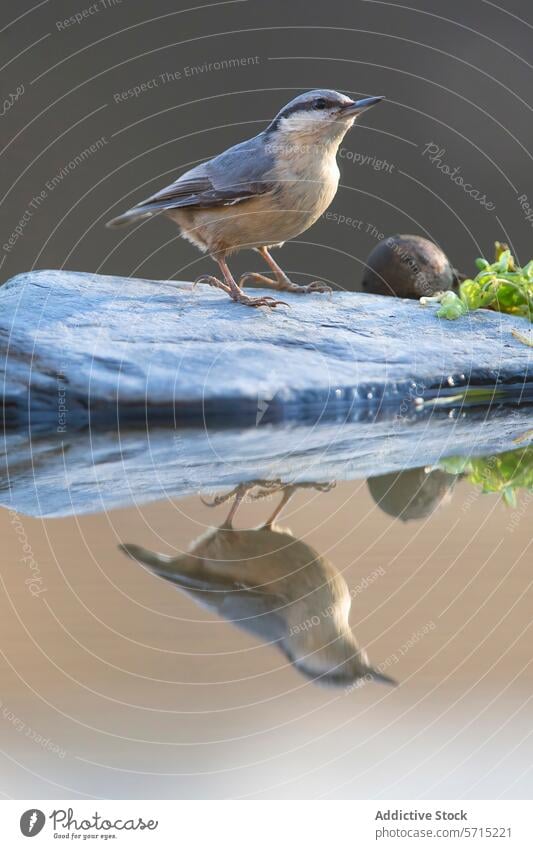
{"x": 88, "y": 471}
{"x": 78, "y": 341}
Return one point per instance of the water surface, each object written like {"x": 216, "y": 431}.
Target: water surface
{"x": 227, "y": 671}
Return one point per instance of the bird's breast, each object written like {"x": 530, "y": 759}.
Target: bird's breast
{"x": 307, "y": 186}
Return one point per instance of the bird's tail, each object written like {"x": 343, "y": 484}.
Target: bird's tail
{"x": 184, "y": 570}
{"x": 130, "y": 217}
{"x": 155, "y": 561}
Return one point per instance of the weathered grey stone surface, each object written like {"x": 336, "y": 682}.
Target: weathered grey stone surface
{"x": 112, "y": 342}
{"x": 55, "y": 474}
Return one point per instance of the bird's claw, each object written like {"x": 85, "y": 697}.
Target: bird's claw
{"x": 236, "y": 294}
{"x": 284, "y": 284}
{"x": 265, "y": 488}
{"x": 211, "y": 280}
{"x": 316, "y": 286}
{"x": 263, "y": 301}
{"x": 218, "y": 499}
{"x": 323, "y": 487}
{"x": 255, "y": 276}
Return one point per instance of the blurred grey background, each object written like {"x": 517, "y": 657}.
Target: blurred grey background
{"x": 105, "y": 102}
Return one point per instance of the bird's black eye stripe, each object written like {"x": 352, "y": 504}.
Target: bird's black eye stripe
{"x": 301, "y": 106}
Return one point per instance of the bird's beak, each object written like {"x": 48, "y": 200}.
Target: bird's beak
{"x": 381, "y": 678}
{"x": 358, "y": 106}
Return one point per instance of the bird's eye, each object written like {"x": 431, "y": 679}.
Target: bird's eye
{"x": 320, "y": 103}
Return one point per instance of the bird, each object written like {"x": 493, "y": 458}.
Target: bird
{"x": 262, "y": 192}
{"x": 275, "y": 586}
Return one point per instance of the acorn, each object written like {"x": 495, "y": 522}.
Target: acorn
{"x": 408, "y": 267}
{"x": 412, "y": 493}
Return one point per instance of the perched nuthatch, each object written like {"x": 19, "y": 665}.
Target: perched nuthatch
{"x": 275, "y": 586}
{"x": 262, "y": 192}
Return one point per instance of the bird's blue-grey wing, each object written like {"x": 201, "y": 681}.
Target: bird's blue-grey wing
{"x": 257, "y": 609}
{"x": 240, "y": 173}
{"x": 249, "y": 609}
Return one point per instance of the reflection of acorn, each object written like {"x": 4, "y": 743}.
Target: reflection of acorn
{"x": 412, "y": 494}
{"x": 409, "y": 267}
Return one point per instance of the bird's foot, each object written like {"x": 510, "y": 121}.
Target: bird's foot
{"x": 263, "y": 301}
{"x": 315, "y": 286}
{"x": 237, "y": 295}
{"x": 221, "y": 499}
{"x": 266, "y": 487}
{"x": 283, "y": 284}
{"x": 320, "y": 487}
{"x": 211, "y": 280}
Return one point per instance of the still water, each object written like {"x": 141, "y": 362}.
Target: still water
{"x": 324, "y": 611}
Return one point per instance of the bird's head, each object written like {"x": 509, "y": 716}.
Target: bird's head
{"x": 319, "y": 116}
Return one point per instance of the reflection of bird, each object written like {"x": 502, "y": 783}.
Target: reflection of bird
{"x": 262, "y": 192}
{"x": 275, "y": 586}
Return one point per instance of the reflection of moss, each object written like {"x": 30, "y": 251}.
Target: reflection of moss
{"x": 505, "y": 473}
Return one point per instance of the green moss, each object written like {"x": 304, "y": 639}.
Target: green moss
{"x": 501, "y": 285}
{"x": 504, "y": 473}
